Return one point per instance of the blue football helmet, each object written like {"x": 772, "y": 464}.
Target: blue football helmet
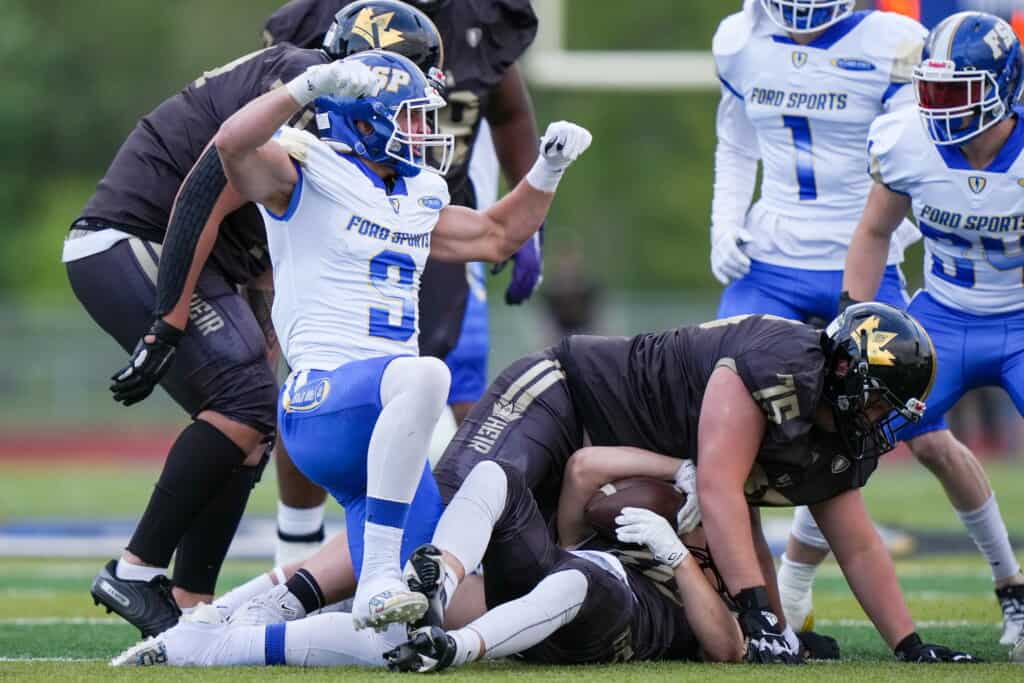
{"x": 402, "y": 118}
{"x": 806, "y": 16}
{"x": 971, "y": 77}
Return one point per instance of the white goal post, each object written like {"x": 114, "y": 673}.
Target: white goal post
{"x": 549, "y": 64}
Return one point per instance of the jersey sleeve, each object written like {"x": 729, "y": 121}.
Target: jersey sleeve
{"x": 727, "y": 45}
{"x": 887, "y": 163}
{"x": 301, "y": 22}
{"x": 898, "y": 41}
{"x": 783, "y": 372}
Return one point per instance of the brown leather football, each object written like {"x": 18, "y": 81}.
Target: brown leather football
{"x": 638, "y": 492}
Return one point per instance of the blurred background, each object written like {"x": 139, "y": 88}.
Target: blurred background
{"x": 627, "y": 244}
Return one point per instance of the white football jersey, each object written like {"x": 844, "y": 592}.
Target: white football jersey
{"x": 810, "y": 107}
{"x": 347, "y": 257}
{"x": 972, "y": 221}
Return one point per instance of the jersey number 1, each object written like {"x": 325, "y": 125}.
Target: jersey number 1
{"x": 800, "y": 126}
{"x": 401, "y": 293}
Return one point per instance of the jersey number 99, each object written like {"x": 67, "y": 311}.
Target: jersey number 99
{"x": 399, "y": 292}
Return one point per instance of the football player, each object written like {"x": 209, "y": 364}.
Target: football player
{"x": 485, "y": 91}
{"x": 802, "y": 80}
{"x": 360, "y": 404}
{"x": 955, "y": 162}
{"x": 125, "y": 277}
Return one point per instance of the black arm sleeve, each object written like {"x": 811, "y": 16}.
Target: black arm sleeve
{"x": 192, "y": 209}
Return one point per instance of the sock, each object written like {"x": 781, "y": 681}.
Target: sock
{"x": 300, "y": 525}
{"x": 520, "y": 624}
{"x": 204, "y": 546}
{"x": 305, "y": 587}
{"x": 465, "y": 527}
{"x": 796, "y": 575}
{"x": 382, "y": 546}
{"x": 324, "y": 640}
{"x": 136, "y": 572}
{"x": 240, "y": 595}
{"x": 451, "y": 582}
{"x": 198, "y": 466}
{"x": 467, "y": 645}
{"x": 413, "y": 392}
{"x": 986, "y": 528}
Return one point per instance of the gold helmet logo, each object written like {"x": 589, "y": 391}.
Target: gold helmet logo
{"x": 877, "y": 355}
{"x": 374, "y": 29}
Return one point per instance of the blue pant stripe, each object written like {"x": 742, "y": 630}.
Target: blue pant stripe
{"x": 273, "y": 644}
{"x": 386, "y": 512}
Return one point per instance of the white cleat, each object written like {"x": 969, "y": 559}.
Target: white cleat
{"x": 1011, "y": 601}
{"x": 1017, "y": 653}
{"x": 182, "y": 645}
{"x": 383, "y": 600}
{"x": 276, "y": 606}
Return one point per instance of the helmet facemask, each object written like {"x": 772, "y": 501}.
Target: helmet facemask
{"x": 415, "y": 140}
{"x": 806, "y": 16}
{"x": 956, "y": 105}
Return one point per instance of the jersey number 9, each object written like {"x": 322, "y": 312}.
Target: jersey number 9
{"x": 399, "y": 293}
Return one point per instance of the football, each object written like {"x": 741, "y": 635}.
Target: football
{"x": 640, "y": 492}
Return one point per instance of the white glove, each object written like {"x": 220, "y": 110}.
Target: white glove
{"x": 728, "y": 261}
{"x": 343, "y": 78}
{"x": 689, "y": 515}
{"x": 639, "y": 525}
{"x": 561, "y": 145}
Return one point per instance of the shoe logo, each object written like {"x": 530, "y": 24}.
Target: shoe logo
{"x": 153, "y": 656}
{"x": 117, "y": 595}
{"x": 840, "y": 464}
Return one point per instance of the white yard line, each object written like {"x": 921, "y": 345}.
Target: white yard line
{"x": 50, "y": 659}
{"x": 52, "y": 621}
{"x": 941, "y": 623}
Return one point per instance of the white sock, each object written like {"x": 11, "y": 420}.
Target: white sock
{"x": 136, "y": 572}
{"x": 238, "y": 596}
{"x": 300, "y": 521}
{"x": 319, "y": 640}
{"x": 986, "y": 528}
{"x": 413, "y": 392}
{"x": 520, "y": 624}
{"x": 467, "y": 645}
{"x": 382, "y": 546}
{"x": 465, "y": 527}
{"x": 805, "y": 529}
{"x": 797, "y": 576}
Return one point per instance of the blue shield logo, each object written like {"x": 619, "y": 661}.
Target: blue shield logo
{"x": 977, "y": 183}
{"x": 799, "y": 59}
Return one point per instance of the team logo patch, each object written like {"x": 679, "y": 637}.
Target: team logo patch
{"x": 308, "y": 397}
{"x": 1021, "y": 182}
{"x": 374, "y": 29}
{"x": 432, "y": 203}
{"x": 877, "y": 341}
{"x": 853, "y": 64}
{"x": 840, "y": 464}
{"x": 799, "y": 59}
{"x": 473, "y": 36}
{"x": 394, "y": 203}
{"x": 977, "y": 183}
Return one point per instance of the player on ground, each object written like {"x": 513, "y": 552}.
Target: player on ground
{"x": 482, "y": 41}
{"x": 122, "y": 274}
{"x": 356, "y": 412}
{"x": 802, "y": 80}
{"x": 955, "y": 162}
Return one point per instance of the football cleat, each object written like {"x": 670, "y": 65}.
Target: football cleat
{"x": 276, "y": 606}
{"x": 428, "y": 649}
{"x": 425, "y": 573}
{"x": 146, "y": 605}
{"x": 185, "y": 644}
{"x": 1011, "y": 600}
{"x": 385, "y": 599}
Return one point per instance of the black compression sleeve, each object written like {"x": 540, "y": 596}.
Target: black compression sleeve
{"x": 192, "y": 208}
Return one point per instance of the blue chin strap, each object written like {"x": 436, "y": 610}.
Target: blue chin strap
{"x": 336, "y": 120}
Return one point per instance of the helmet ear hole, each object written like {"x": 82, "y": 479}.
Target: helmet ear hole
{"x": 364, "y": 127}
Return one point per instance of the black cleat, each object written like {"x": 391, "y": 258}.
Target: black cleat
{"x": 428, "y": 649}
{"x": 146, "y": 605}
{"x": 424, "y": 573}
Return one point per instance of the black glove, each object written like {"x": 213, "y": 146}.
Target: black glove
{"x": 766, "y": 643}
{"x": 148, "y": 364}
{"x": 428, "y": 649}
{"x": 912, "y": 649}
{"x": 817, "y": 646}
{"x": 845, "y": 301}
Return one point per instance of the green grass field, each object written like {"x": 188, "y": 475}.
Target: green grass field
{"x": 49, "y": 627}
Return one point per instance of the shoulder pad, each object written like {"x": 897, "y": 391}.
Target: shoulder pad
{"x": 732, "y": 35}
{"x": 896, "y": 38}
{"x": 296, "y": 142}
{"x": 888, "y": 132}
